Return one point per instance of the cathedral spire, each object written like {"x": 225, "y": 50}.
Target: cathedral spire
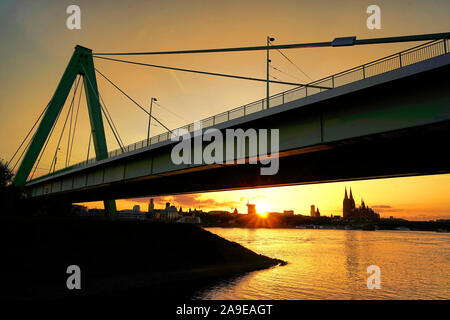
{"x": 351, "y": 196}
{"x": 346, "y": 197}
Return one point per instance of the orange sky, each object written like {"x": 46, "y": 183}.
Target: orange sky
{"x": 37, "y": 45}
{"x": 413, "y": 198}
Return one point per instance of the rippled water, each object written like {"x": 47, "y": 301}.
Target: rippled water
{"x": 332, "y": 264}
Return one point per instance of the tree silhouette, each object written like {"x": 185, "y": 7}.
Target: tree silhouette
{"x": 6, "y": 176}
{"x": 10, "y": 196}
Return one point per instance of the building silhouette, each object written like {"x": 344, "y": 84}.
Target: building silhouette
{"x": 251, "y": 208}
{"x": 350, "y": 211}
{"x": 168, "y": 213}
{"x": 314, "y": 212}
{"x": 151, "y": 206}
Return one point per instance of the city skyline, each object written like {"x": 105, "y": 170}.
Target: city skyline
{"x": 327, "y": 197}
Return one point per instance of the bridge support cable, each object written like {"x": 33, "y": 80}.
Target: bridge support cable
{"x": 25, "y": 139}
{"x": 89, "y": 147}
{"x": 291, "y": 62}
{"x": 102, "y": 109}
{"x": 45, "y": 145}
{"x": 53, "y": 164}
{"x": 109, "y": 120}
{"x": 334, "y": 43}
{"x": 113, "y": 127}
{"x": 70, "y": 128}
{"x": 21, "y": 155}
{"x": 126, "y": 95}
{"x": 75, "y": 124}
{"x": 43, "y": 149}
{"x": 283, "y": 72}
{"x": 171, "y": 112}
{"x": 212, "y": 73}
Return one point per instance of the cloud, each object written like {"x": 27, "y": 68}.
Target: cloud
{"x": 385, "y": 208}
{"x": 191, "y": 201}
{"x": 177, "y": 80}
{"x": 253, "y": 198}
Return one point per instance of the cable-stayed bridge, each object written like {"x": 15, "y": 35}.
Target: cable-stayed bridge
{"x": 389, "y": 117}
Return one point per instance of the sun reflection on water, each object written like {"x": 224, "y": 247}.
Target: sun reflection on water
{"x": 332, "y": 264}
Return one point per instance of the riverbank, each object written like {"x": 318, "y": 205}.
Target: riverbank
{"x": 122, "y": 259}
{"x": 327, "y": 223}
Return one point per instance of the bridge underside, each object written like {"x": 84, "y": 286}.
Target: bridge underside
{"x": 403, "y": 153}
{"x": 391, "y": 125}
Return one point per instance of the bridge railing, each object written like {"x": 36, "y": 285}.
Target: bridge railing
{"x": 395, "y": 61}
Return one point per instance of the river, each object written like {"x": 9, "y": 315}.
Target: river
{"x": 332, "y": 264}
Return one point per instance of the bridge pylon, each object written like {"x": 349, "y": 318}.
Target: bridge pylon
{"x": 81, "y": 63}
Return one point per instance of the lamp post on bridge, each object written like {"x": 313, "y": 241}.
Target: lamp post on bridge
{"x": 269, "y": 39}
{"x": 149, "y": 119}
{"x": 55, "y": 160}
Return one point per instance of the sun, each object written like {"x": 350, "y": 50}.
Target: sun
{"x": 262, "y": 214}
{"x": 262, "y": 209}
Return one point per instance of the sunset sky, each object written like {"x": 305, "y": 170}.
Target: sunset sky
{"x": 36, "y": 47}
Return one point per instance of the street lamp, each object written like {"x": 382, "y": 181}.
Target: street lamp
{"x": 149, "y": 119}
{"x": 55, "y": 160}
{"x": 269, "y": 40}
